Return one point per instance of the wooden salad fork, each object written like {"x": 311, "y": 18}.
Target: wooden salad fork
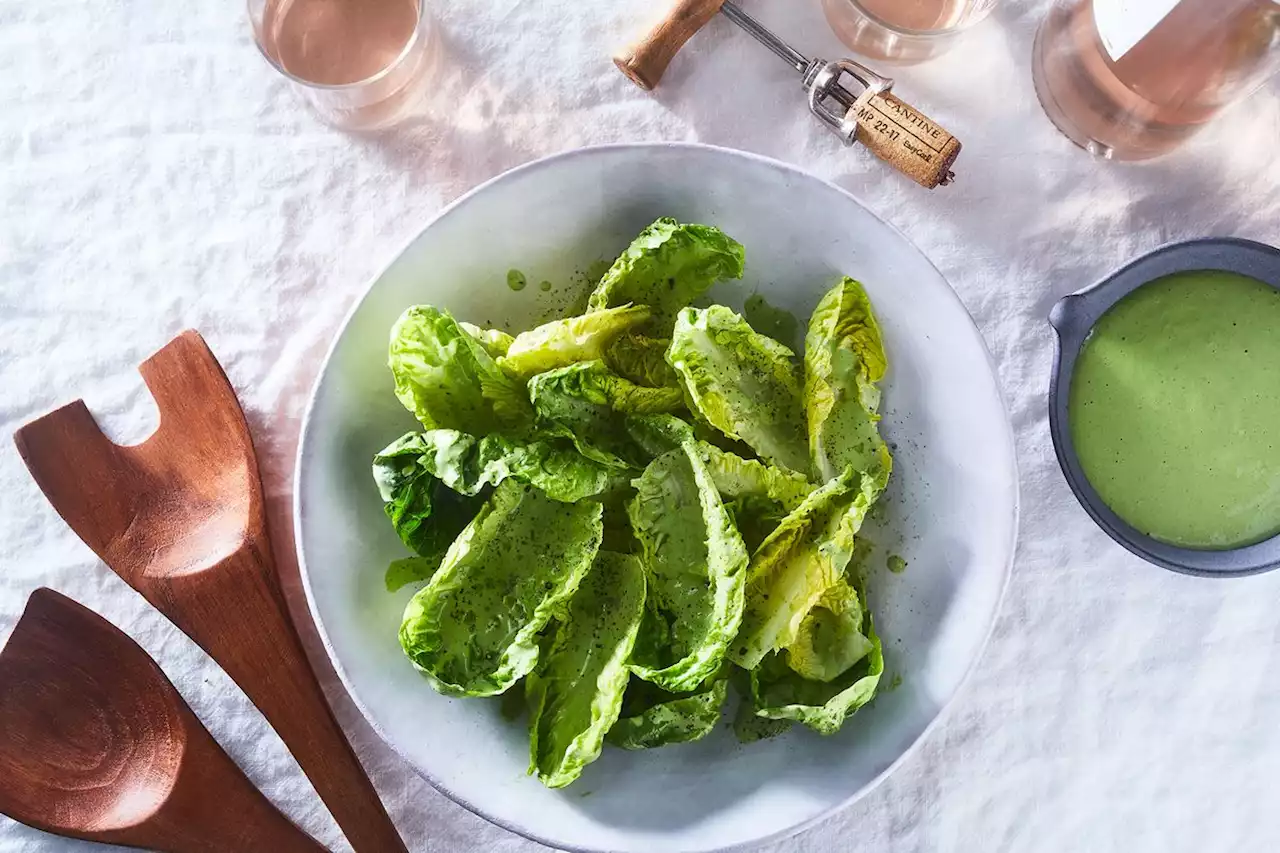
{"x": 95, "y": 743}
{"x": 180, "y": 518}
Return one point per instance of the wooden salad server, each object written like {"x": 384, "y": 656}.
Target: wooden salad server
{"x": 180, "y": 518}
{"x": 95, "y": 743}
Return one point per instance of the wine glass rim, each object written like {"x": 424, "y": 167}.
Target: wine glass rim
{"x": 982, "y": 11}
{"x": 409, "y": 44}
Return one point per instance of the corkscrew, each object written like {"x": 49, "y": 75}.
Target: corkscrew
{"x": 868, "y": 114}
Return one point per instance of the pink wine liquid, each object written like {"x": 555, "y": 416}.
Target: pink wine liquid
{"x": 902, "y": 30}
{"x": 916, "y": 14}
{"x": 336, "y": 42}
{"x": 361, "y": 64}
{"x": 1154, "y": 95}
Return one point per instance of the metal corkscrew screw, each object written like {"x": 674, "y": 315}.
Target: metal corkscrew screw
{"x": 890, "y": 128}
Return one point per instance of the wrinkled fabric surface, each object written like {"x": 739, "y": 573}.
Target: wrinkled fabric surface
{"x": 156, "y": 174}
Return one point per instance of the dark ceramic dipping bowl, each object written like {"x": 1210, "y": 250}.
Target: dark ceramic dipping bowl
{"x": 1074, "y": 317}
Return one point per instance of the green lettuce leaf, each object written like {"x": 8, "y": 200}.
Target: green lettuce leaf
{"x": 658, "y": 434}
{"x": 409, "y": 570}
{"x": 495, "y": 341}
{"x": 743, "y": 383}
{"x": 642, "y": 360}
{"x": 654, "y": 639}
{"x": 473, "y": 630}
{"x": 652, "y": 717}
{"x": 467, "y": 464}
{"x": 747, "y": 727}
{"x": 427, "y": 534}
{"x": 758, "y": 496}
{"x": 448, "y": 379}
{"x": 756, "y": 518}
{"x": 408, "y": 491}
{"x": 830, "y": 639}
{"x": 844, "y": 359}
{"x": 575, "y": 692}
{"x": 563, "y": 342}
{"x": 799, "y": 562}
{"x": 748, "y": 483}
{"x": 779, "y": 693}
{"x": 736, "y": 477}
{"x": 695, "y": 562}
{"x": 661, "y": 433}
{"x": 589, "y": 404}
{"x": 668, "y": 266}
{"x": 426, "y": 514}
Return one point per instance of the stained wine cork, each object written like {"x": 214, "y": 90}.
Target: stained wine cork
{"x": 905, "y": 138}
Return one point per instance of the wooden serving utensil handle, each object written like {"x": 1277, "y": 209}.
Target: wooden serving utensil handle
{"x": 646, "y": 61}
{"x": 244, "y": 626}
{"x": 905, "y": 138}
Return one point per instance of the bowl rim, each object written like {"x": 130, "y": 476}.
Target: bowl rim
{"x": 1073, "y": 319}
{"x": 300, "y": 459}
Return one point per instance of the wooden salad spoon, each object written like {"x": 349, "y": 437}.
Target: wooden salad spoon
{"x": 95, "y": 743}
{"x": 180, "y": 518}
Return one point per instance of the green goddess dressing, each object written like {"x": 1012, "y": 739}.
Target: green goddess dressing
{"x": 1174, "y": 409}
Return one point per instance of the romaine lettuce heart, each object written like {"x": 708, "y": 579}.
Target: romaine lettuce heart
{"x": 778, "y": 693}
{"x": 467, "y": 464}
{"x": 642, "y": 360}
{"x": 658, "y": 434}
{"x": 830, "y": 639}
{"x": 757, "y": 495}
{"x": 652, "y": 717}
{"x": 563, "y": 342}
{"x": 448, "y": 379}
{"x": 804, "y": 557}
{"x": 495, "y": 341}
{"x": 575, "y": 692}
{"x": 426, "y": 514}
{"x": 695, "y": 563}
{"x": 588, "y": 404}
{"x": 668, "y": 266}
{"x": 473, "y": 630}
{"x": 844, "y": 359}
{"x": 743, "y": 383}
{"x": 736, "y": 477}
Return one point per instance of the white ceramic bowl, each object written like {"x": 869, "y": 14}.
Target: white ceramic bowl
{"x": 951, "y": 511}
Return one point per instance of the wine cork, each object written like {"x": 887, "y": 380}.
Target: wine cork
{"x": 905, "y": 138}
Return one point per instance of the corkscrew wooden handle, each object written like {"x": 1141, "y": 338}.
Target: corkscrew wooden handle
{"x": 906, "y": 139}
{"x": 646, "y": 61}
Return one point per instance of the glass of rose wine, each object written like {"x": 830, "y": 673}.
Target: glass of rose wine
{"x": 359, "y": 64}
{"x": 1129, "y": 81}
{"x": 903, "y": 30}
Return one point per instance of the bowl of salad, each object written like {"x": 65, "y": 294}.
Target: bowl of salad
{"x": 656, "y": 497}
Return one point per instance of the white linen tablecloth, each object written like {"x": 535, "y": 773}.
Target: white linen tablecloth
{"x": 156, "y": 174}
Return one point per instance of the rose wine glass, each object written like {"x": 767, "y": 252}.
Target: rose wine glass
{"x": 360, "y": 64}
{"x": 903, "y": 30}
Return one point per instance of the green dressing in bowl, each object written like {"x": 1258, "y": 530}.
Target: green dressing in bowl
{"x": 1174, "y": 409}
